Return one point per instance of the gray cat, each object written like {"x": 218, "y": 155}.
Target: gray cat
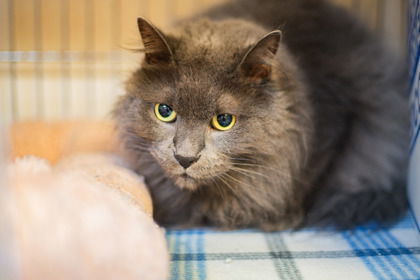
{"x": 235, "y": 123}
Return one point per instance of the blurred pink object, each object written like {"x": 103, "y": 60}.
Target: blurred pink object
{"x": 76, "y": 221}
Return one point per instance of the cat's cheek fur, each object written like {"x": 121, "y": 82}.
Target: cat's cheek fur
{"x": 142, "y": 120}
{"x": 212, "y": 164}
{"x": 163, "y": 153}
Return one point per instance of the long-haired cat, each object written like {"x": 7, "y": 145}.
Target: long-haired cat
{"x": 272, "y": 114}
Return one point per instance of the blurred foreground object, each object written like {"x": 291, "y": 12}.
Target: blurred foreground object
{"x": 55, "y": 140}
{"x": 86, "y": 217}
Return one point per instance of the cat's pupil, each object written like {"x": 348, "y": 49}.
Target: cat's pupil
{"x": 224, "y": 119}
{"x": 164, "y": 110}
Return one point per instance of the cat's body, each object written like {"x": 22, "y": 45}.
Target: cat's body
{"x": 321, "y": 130}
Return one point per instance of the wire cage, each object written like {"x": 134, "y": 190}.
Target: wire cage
{"x": 65, "y": 59}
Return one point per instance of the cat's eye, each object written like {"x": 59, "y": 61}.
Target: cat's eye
{"x": 223, "y": 121}
{"x": 164, "y": 113}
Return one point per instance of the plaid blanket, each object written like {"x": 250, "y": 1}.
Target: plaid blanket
{"x": 365, "y": 253}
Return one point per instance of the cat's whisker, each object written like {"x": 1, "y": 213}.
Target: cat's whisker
{"x": 248, "y": 172}
{"x": 239, "y": 164}
{"x": 240, "y": 159}
{"x": 275, "y": 171}
{"x": 238, "y": 167}
{"x": 253, "y": 165}
{"x": 217, "y": 185}
{"x": 227, "y": 156}
{"x": 243, "y": 194}
{"x": 226, "y": 183}
{"x": 233, "y": 191}
{"x": 239, "y": 181}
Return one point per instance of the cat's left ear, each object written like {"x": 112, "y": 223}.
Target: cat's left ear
{"x": 157, "y": 50}
{"x": 256, "y": 65}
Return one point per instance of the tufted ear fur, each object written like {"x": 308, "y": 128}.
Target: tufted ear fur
{"x": 157, "y": 50}
{"x": 257, "y": 63}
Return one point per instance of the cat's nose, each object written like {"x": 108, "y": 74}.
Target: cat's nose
{"x": 186, "y": 161}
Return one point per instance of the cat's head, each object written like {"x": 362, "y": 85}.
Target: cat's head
{"x": 212, "y": 99}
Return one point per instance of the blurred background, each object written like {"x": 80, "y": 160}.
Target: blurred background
{"x": 65, "y": 59}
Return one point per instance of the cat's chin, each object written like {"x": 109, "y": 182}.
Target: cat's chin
{"x": 186, "y": 182}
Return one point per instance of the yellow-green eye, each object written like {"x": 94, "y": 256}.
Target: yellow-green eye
{"x": 223, "y": 121}
{"x": 164, "y": 113}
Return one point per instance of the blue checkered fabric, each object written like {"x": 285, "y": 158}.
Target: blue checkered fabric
{"x": 368, "y": 252}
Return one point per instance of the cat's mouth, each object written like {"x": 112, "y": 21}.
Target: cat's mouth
{"x": 192, "y": 180}
{"x": 198, "y": 177}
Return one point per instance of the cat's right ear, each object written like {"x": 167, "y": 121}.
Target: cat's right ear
{"x": 156, "y": 48}
{"x": 257, "y": 63}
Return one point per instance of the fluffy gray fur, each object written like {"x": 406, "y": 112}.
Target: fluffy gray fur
{"x": 322, "y": 123}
